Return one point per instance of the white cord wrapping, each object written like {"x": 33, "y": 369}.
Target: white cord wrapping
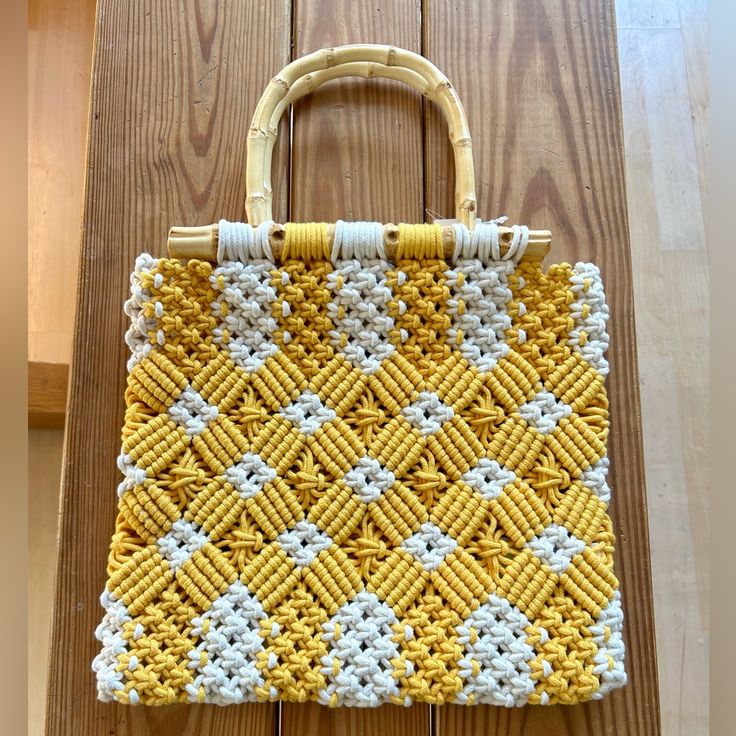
{"x": 263, "y": 244}
{"x": 357, "y": 240}
{"x": 484, "y": 242}
{"x": 239, "y": 241}
{"x": 463, "y": 247}
{"x": 519, "y": 241}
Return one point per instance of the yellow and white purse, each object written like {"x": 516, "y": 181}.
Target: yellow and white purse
{"x": 362, "y": 463}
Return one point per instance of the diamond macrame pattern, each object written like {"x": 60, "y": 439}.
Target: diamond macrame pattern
{"x": 384, "y": 515}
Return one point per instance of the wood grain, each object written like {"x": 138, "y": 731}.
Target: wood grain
{"x": 671, "y": 290}
{"x": 662, "y": 90}
{"x": 694, "y": 32}
{"x": 172, "y": 93}
{"x": 44, "y": 476}
{"x": 357, "y": 155}
{"x": 47, "y": 387}
{"x": 311, "y": 719}
{"x": 547, "y": 127}
{"x": 59, "y": 64}
{"x": 357, "y": 144}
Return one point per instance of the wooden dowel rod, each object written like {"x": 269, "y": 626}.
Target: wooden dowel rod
{"x": 201, "y": 242}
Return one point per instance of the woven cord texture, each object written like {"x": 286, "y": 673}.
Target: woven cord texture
{"x": 359, "y": 481}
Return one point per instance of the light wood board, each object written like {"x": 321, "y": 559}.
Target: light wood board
{"x": 59, "y": 64}
{"x": 47, "y": 389}
{"x": 44, "y": 476}
{"x": 664, "y": 75}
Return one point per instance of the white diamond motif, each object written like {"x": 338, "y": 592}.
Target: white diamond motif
{"x": 192, "y": 412}
{"x": 594, "y": 478}
{"x": 428, "y": 413}
{"x": 249, "y": 475}
{"x": 361, "y": 647}
{"x": 608, "y": 637}
{"x": 134, "y": 475}
{"x": 230, "y": 643}
{"x": 303, "y": 542}
{"x": 495, "y": 664}
{"x": 544, "y": 412}
{"x": 429, "y": 545}
{"x": 243, "y": 306}
{"x": 590, "y": 313}
{"x": 143, "y": 322}
{"x": 110, "y": 633}
{"x": 489, "y": 478}
{"x": 308, "y": 413}
{"x": 478, "y": 308}
{"x": 359, "y": 311}
{"x": 556, "y": 547}
{"x": 181, "y": 542}
{"x": 369, "y": 479}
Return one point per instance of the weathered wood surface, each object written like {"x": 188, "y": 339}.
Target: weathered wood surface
{"x": 173, "y": 90}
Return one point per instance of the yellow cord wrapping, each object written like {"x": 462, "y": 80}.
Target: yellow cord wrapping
{"x": 415, "y": 446}
{"x": 419, "y": 242}
{"x": 305, "y": 241}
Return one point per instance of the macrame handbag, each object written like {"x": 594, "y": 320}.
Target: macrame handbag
{"x": 362, "y": 464}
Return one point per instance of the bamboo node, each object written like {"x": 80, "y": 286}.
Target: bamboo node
{"x": 279, "y": 81}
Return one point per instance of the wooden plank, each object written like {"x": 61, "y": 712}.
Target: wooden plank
{"x": 47, "y": 385}
{"x": 357, "y": 144}
{"x": 44, "y": 476}
{"x": 665, "y": 104}
{"x": 343, "y": 137}
{"x": 59, "y": 61}
{"x": 673, "y": 355}
{"x": 677, "y": 525}
{"x": 546, "y": 125}
{"x": 648, "y": 14}
{"x": 173, "y": 89}
{"x": 312, "y": 719}
{"x": 694, "y": 30}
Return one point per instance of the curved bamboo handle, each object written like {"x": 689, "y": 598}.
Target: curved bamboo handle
{"x": 311, "y": 82}
{"x": 360, "y": 57}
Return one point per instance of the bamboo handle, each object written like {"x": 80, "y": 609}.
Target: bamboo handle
{"x": 360, "y": 57}
{"x": 311, "y": 82}
{"x": 304, "y": 76}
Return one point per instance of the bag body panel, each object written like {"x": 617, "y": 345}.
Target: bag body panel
{"x": 363, "y": 481}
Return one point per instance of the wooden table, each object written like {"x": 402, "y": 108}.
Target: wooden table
{"x": 174, "y": 86}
